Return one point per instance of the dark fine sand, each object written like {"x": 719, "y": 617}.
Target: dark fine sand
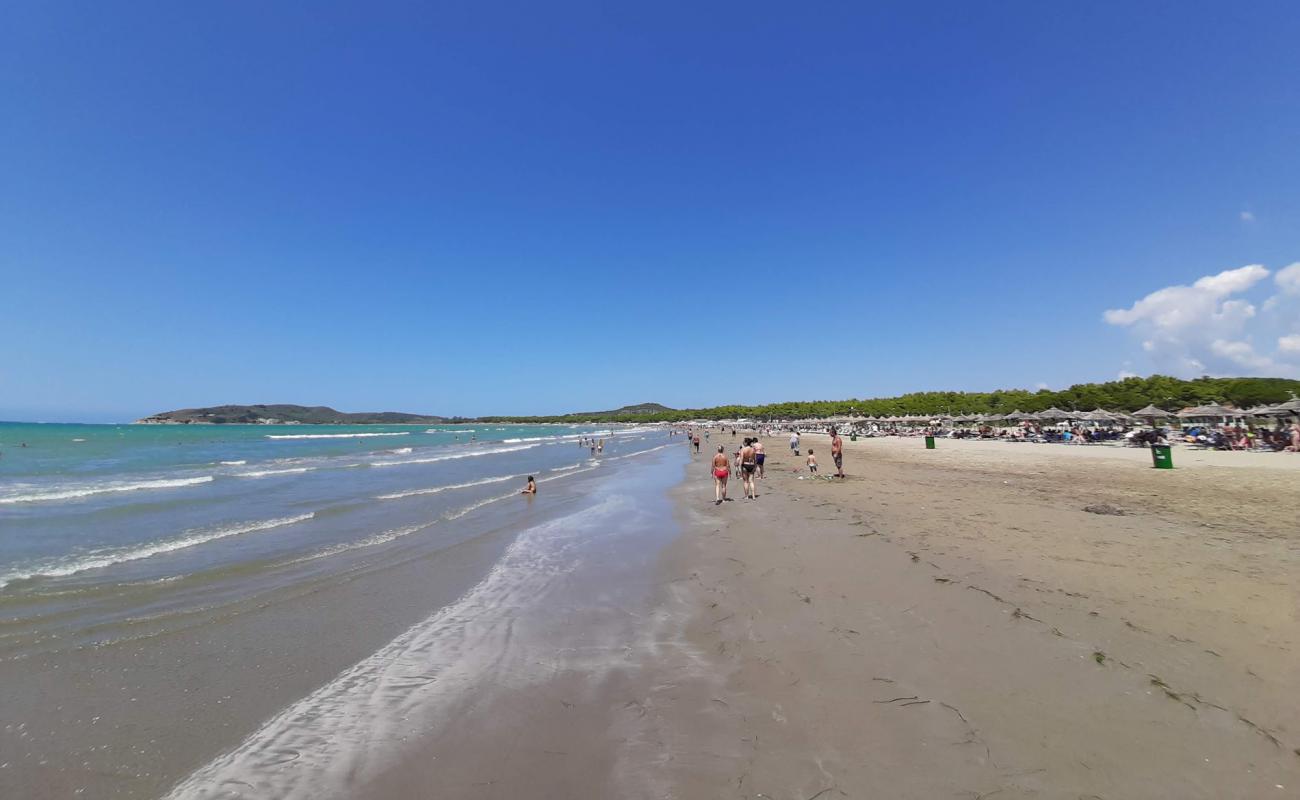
{"x": 922, "y": 630}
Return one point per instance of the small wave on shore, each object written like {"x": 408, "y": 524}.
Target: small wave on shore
{"x": 437, "y": 489}
{"x": 370, "y": 541}
{"x": 98, "y": 560}
{"x": 72, "y": 493}
{"x": 332, "y": 732}
{"x": 334, "y": 435}
{"x": 263, "y": 473}
{"x": 451, "y": 456}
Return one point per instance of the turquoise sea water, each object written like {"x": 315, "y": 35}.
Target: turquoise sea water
{"x": 110, "y": 511}
{"x": 167, "y": 590}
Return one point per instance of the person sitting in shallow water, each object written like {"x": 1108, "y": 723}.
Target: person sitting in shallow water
{"x": 531, "y": 488}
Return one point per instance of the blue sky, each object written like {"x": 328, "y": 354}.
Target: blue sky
{"x": 479, "y": 208}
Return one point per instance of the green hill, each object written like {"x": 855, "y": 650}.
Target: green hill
{"x": 305, "y": 415}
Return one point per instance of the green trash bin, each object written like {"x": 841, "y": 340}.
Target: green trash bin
{"x": 1162, "y": 456}
{"x": 929, "y": 443}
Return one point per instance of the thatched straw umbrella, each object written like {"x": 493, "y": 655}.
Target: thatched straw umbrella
{"x": 1151, "y": 413}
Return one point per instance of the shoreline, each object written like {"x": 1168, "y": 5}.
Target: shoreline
{"x": 845, "y": 639}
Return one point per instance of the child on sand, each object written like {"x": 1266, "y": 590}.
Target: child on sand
{"x": 812, "y": 462}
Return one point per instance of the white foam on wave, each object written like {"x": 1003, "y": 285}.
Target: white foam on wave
{"x": 262, "y": 473}
{"x": 98, "y": 560}
{"x": 370, "y": 541}
{"x": 640, "y": 452}
{"x": 233, "y": 463}
{"x": 564, "y": 438}
{"x": 72, "y": 493}
{"x": 451, "y": 456}
{"x": 457, "y": 514}
{"x": 400, "y": 451}
{"x": 437, "y": 489}
{"x": 334, "y": 435}
{"x": 568, "y": 472}
{"x": 566, "y": 469}
{"x": 340, "y": 735}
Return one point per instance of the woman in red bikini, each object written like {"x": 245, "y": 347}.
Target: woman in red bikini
{"x": 721, "y": 471}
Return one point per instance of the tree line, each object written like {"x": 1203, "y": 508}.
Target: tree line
{"x": 1128, "y": 394}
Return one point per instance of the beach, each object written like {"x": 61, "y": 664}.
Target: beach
{"x": 953, "y": 623}
{"x": 942, "y": 623}
{"x": 945, "y": 623}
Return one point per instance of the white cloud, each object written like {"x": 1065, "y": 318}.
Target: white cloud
{"x": 1213, "y": 325}
{"x": 1126, "y": 374}
{"x": 1246, "y": 216}
{"x": 1040, "y": 386}
{"x": 1288, "y": 279}
{"x": 1289, "y": 344}
{"x": 1241, "y": 353}
{"x": 1177, "y": 307}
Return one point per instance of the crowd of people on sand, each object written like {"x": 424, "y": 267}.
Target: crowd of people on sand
{"x": 749, "y": 458}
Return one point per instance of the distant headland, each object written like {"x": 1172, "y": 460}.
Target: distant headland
{"x": 287, "y": 414}
{"x": 284, "y": 415}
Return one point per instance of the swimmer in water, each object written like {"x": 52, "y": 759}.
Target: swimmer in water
{"x": 531, "y": 488}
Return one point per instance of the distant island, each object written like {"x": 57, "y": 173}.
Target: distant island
{"x": 284, "y": 415}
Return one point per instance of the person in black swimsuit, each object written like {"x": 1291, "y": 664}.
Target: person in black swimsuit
{"x": 748, "y": 463}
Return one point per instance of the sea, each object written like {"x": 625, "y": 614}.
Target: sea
{"x": 167, "y": 590}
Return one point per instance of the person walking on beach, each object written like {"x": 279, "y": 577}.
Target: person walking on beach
{"x": 759, "y": 455}
{"x": 794, "y": 442}
{"x": 696, "y": 442}
{"x": 837, "y": 453}
{"x": 747, "y": 466}
{"x": 812, "y": 461}
{"x": 721, "y": 471}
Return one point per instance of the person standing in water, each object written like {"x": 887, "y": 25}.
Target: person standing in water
{"x": 696, "y": 442}
{"x": 720, "y": 474}
{"x": 837, "y": 453}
